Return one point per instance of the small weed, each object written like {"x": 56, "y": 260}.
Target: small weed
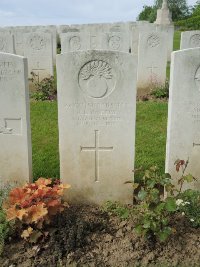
{"x": 45, "y": 89}
{"x": 5, "y": 226}
{"x": 161, "y": 91}
{"x": 117, "y": 209}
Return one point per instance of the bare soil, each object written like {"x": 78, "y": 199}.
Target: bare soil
{"x": 88, "y": 236}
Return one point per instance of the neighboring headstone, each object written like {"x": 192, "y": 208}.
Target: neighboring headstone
{"x": 152, "y": 60}
{"x": 190, "y": 39}
{"x": 106, "y": 36}
{"x": 73, "y": 41}
{"x": 15, "y": 137}
{"x": 141, "y": 27}
{"x": 7, "y": 43}
{"x": 183, "y": 137}
{"x": 19, "y": 42}
{"x": 96, "y": 105}
{"x": 53, "y": 31}
{"x": 38, "y": 50}
{"x": 116, "y": 41}
{"x": 164, "y": 16}
{"x": 168, "y": 30}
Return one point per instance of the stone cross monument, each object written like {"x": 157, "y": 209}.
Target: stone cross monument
{"x": 164, "y": 16}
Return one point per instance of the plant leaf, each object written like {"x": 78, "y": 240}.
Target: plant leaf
{"x": 170, "y": 204}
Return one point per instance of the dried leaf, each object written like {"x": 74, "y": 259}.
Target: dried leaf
{"x": 26, "y": 233}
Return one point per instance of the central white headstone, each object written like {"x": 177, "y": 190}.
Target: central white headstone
{"x": 183, "y": 138}
{"x": 15, "y": 138}
{"x": 97, "y": 103}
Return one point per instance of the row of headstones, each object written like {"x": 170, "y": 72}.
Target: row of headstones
{"x": 152, "y": 44}
{"x": 96, "y": 114}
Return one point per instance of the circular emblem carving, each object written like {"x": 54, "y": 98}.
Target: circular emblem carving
{"x": 75, "y": 43}
{"x": 37, "y": 42}
{"x": 114, "y": 42}
{"x": 197, "y": 78}
{"x": 153, "y": 40}
{"x": 195, "y": 40}
{"x": 97, "y": 79}
{"x": 2, "y": 43}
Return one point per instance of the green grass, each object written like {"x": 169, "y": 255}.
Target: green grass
{"x": 150, "y": 137}
{"x": 44, "y": 125}
{"x": 151, "y": 129}
{"x": 177, "y": 40}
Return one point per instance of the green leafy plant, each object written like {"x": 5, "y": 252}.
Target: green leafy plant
{"x": 161, "y": 91}
{"x": 45, "y": 89}
{"x": 153, "y": 210}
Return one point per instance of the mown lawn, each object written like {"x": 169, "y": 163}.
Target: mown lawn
{"x": 177, "y": 40}
{"x": 150, "y": 137}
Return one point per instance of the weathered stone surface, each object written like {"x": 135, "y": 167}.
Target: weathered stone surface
{"x": 6, "y": 43}
{"x": 106, "y": 36}
{"x": 183, "y": 137}
{"x": 152, "y": 60}
{"x": 38, "y": 50}
{"x": 164, "y": 16}
{"x": 15, "y": 137}
{"x": 96, "y": 104}
{"x": 73, "y": 41}
{"x": 142, "y": 27}
{"x": 190, "y": 39}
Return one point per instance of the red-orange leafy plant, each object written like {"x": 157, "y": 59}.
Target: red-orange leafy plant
{"x": 34, "y": 204}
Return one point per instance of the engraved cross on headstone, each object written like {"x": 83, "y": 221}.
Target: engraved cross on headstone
{"x": 96, "y": 149}
{"x": 38, "y": 69}
{"x": 194, "y": 144}
{"x": 152, "y": 73}
{"x": 3, "y": 127}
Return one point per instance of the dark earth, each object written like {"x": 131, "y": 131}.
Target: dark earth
{"x": 89, "y": 236}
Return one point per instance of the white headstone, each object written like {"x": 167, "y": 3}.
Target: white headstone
{"x": 183, "y": 137}
{"x": 15, "y": 137}
{"x": 116, "y": 41}
{"x": 53, "y": 31}
{"x": 105, "y": 36}
{"x": 73, "y": 41}
{"x": 141, "y": 27}
{"x": 152, "y": 60}
{"x": 38, "y": 50}
{"x": 190, "y": 39}
{"x": 7, "y": 43}
{"x": 19, "y": 42}
{"x": 96, "y": 104}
